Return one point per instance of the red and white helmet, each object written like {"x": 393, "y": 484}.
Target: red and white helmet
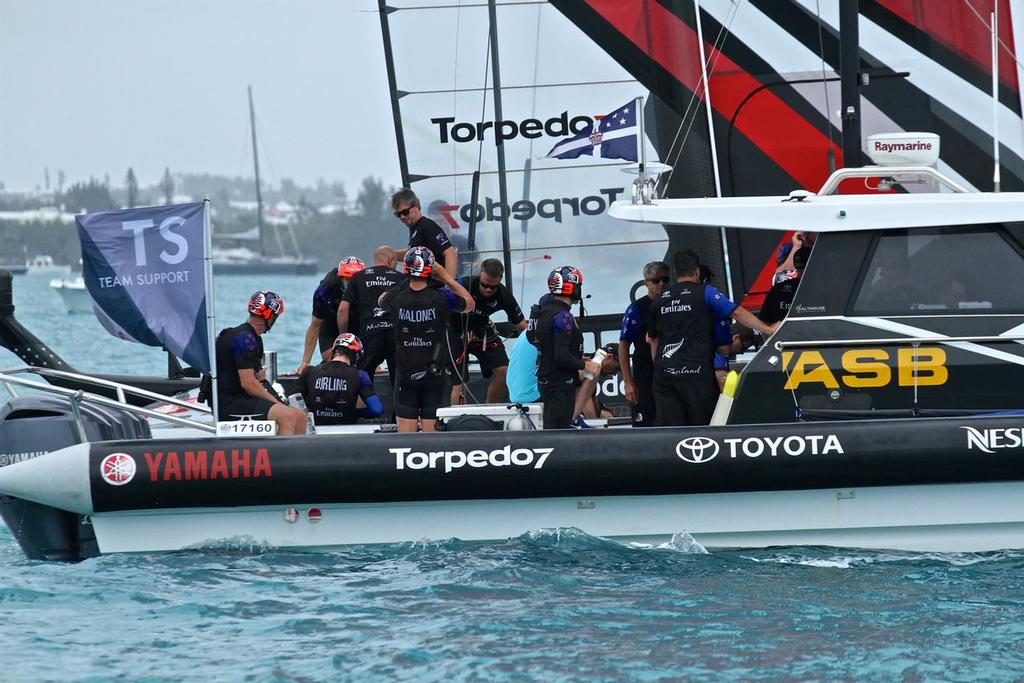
{"x": 349, "y": 343}
{"x": 566, "y": 281}
{"x": 349, "y": 266}
{"x": 266, "y": 305}
{"x": 419, "y": 262}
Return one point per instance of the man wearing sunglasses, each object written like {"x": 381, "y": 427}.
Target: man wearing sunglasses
{"x": 475, "y": 334}
{"x": 639, "y": 379}
{"x": 423, "y": 232}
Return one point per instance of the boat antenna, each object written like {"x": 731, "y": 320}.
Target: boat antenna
{"x": 256, "y": 166}
{"x": 849, "y": 71}
{"x": 995, "y": 98}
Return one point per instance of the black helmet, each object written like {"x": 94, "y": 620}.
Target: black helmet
{"x": 566, "y": 281}
{"x": 266, "y": 305}
{"x": 419, "y": 262}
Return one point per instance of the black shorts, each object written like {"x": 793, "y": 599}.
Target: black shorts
{"x": 682, "y": 402}
{"x": 559, "y": 401}
{"x": 237, "y": 407}
{"x": 378, "y": 348}
{"x": 644, "y": 411}
{"x": 420, "y": 398}
{"x": 490, "y": 356}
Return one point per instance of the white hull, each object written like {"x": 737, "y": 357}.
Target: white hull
{"x": 937, "y": 518}
{"x": 74, "y": 295}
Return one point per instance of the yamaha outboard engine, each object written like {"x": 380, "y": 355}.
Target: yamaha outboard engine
{"x": 33, "y": 425}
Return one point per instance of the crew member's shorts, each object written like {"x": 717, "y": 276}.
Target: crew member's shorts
{"x": 420, "y": 398}
{"x": 378, "y": 348}
{"x": 682, "y": 402}
{"x": 491, "y": 355}
{"x": 644, "y": 411}
{"x": 559, "y": 400}
{"x": 239, "y": 407}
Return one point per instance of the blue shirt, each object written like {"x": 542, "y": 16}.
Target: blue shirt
{"x": 522, "y": 372}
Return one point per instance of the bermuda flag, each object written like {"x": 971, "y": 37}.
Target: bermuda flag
{"x": 615, "y": 138}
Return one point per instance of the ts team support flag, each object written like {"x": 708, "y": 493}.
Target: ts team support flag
{"x": 146, "y": 275}
{"x": 615, "y": 138}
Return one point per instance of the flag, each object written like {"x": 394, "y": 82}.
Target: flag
{"x": 145, "y": 271}
{"x": 615, "y": 138}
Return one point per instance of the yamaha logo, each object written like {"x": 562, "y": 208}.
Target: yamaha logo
{"x": 117, "y": 469}
{"x": 697, "y": 449}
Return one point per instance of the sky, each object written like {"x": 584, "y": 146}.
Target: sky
{"x": 94, "y": 87}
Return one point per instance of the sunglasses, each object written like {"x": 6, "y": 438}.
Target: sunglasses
{"x": 484, "y": 285}
{"x": 403, "y": 213}
{"x": 663, "y": 280}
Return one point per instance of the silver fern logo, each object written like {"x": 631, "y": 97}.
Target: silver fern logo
{"x": 670, "y": 349}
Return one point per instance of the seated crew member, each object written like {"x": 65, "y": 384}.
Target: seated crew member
{"x": 638, "y": 379}
{"x": 420, "y": 314}
{"x": 323, "y": 326}
{"x": 376, "y": 329}
{"x": 474, "y": 334}
{"x": 560, "y": 345}
{"x": 587, "y": 405}
{"x": 241, "y": 387}
{"x": 337, "y": 392}
{"x": 780, "y": 296}
{"x": 423, "y": 232}
{"x": 681, "y": 331}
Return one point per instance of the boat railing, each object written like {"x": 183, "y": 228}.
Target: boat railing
{"x": 12, "y": 378}
{"x": 895, "y": 341}
{"x": 834, "y": 180}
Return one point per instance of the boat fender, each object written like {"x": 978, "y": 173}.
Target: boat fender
{"x": 472, "y": 423}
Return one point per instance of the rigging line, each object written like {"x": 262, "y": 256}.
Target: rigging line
{"x": 460, "y": 6}
{"x": 555, "y": 247}
{"x": 483, "y": 112}
{"x": 717, "y": 52}
{"x": 824, "y": 84}
{"x": 535, "y": 86}
{"x": 525, "y": 227}
{"x": 518, "y": 170}
{"x": 455, "y": 80}
{"x": 1002, "y": 43}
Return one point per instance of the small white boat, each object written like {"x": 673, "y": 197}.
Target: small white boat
{"x": 43, "y": 264}
{"x": 74, "y": 294}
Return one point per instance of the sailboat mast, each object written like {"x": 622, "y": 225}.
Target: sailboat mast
{"x": 502, "y": 187}
{"x": 849, "y": 71}
{"x": 256, "y": 166}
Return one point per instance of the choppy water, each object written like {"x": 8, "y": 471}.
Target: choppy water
{"x": 550, "y": 605}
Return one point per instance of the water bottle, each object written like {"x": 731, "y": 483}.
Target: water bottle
{"x": 599, "y": 357}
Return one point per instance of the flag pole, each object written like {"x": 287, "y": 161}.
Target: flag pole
{"x": 210, "y": 314}
{"x": 641, "y": 148}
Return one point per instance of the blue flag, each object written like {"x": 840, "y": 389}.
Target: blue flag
{"x": 146, "y": 274}
{"x": 615, "y": 137}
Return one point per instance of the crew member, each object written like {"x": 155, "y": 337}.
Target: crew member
{"x": 587, "y": 405}
{"x": 560, "y": 345}
{"x": 780, "y": 296}
{"x": 423, "y": 232}
{"x": 376, "y": 329}
{"x": 475, "y": 334}
{"x": 681, "y": 331}
{"x": 639, "y": 378}
{"x": 336, "y": 391}
{"x": 420, "y": 314}
{"x": 326, "y": 300}
{"x": 242, "y": 389}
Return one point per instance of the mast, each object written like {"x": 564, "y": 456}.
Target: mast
{"x": 256, "y": 166}
{"x": 502, "y": 186}
{"x": 849, "y": 70}
{"x": 396, "y": 108}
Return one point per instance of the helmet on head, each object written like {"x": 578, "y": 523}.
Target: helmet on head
{"x": 566, "y": 281}
{"x": 349, "y": 344}
{"x": 419, "y": 262}
{"x": 266, "y": 305}
{"x": 349, "y": 266}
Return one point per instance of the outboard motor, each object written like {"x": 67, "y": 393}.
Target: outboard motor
{"x": 33, "y": 425}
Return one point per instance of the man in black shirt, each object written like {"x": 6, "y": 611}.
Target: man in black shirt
{"x": 475, "y": 333}
{"x": 639, "y": 379}
{"x": 323, "y": 326}
{"x": 423, "y": 232}
{"x": 420, "y": 314}
{"x": 241, "y": 391}
{"x": 780, "y": 296}
{"x": 681, "y": 330}
{"x": 559, "y": 344}
{"x": 336, "y": 391}
{"x": 361, "y": 303}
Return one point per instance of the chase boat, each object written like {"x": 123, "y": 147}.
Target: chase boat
{"x": 884, "y": 413}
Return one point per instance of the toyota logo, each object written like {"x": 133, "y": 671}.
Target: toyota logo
{"x": 697, "y": 449}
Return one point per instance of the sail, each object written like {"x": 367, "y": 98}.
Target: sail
{"x": 774, "y": 89}
{"x": 555, "y": 81}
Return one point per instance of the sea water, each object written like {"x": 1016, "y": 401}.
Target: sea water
{"x": 551, "y": 604}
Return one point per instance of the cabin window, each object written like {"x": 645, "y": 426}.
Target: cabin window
{"x": 936, "y": 271}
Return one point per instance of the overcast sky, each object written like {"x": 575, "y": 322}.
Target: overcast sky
{"x": 93, "y": 87}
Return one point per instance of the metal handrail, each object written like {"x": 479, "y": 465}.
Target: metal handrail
{"x": 118, "y": 386}
{"x": 780, "y": 345}
{"x": 77, "y": 396}
{"x": 832, "y": 184}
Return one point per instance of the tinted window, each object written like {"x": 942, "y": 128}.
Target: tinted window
{"x": 943, "y": 270}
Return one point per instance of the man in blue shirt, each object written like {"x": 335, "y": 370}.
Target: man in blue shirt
{"x": 638, "y": 378}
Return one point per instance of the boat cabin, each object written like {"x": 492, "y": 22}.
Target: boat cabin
{"x": 909, "y": 304}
